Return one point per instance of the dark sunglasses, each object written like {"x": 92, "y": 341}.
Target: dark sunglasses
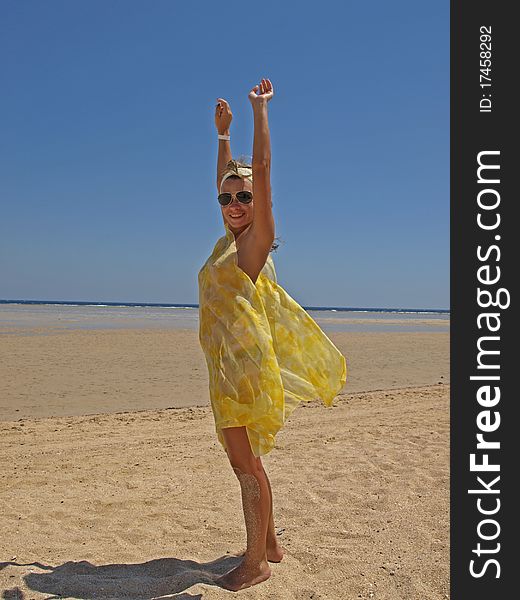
{"x": 244, "y": 197}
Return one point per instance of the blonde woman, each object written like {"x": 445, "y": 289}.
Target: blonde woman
{"x": 264, "y": 352}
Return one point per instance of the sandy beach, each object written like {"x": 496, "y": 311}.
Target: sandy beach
{"x": 113, "y": 484}
{"x": 64, "y": 372}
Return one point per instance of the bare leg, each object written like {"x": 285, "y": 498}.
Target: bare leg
{"x": 255, "y": 503}
{"x": 273, "y": 549}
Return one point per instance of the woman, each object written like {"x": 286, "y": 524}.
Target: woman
{"x": 264, "y": 353}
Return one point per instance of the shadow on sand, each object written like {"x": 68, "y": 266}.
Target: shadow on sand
{"x": 159, "y": 578}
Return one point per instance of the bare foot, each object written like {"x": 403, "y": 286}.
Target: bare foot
{"x": 244, "y": 576}
{"x": 274, "y": 555}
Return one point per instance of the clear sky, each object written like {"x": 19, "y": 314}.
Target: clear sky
{"x": 108, "y": 146}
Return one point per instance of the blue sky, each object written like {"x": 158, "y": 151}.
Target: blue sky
{"x": 108, "y": 146}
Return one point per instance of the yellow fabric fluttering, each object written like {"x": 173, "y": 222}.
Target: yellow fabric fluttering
{"x": 264, "y": 352}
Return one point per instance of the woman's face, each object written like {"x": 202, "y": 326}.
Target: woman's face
{"x": 237, "y": 215}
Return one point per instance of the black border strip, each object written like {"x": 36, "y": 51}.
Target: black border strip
{"x": 474, "y": 131}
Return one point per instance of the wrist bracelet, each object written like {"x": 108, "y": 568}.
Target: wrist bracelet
{"x": 224, "y": 137}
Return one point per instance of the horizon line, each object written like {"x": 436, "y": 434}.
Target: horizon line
{"x": 192, "y": 305}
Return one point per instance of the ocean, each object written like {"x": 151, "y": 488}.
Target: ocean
{"x": 61, "y": 314}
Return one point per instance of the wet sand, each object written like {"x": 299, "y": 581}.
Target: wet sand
{"x": 59, "y": 372}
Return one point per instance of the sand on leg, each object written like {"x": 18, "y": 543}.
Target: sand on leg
{"x": 256, "y": 506}
{"x": 274, "y": 550}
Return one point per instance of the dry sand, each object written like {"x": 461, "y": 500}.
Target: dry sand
{"x": 144, "y": 504}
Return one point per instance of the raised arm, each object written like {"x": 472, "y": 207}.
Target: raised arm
{"x": 223, "y": 117}
{"x": 263, "y": 224}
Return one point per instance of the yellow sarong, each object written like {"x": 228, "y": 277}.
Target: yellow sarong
{"x": 264, "y": 352}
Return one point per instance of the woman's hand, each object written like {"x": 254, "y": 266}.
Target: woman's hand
{"x": 223, "y": 116}
{"x": 261, "y": 94}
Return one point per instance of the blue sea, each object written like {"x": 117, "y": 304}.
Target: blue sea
{"x": 61, "y": 314}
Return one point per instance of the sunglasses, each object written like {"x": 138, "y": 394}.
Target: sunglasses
{"x": 244, "y": 197}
